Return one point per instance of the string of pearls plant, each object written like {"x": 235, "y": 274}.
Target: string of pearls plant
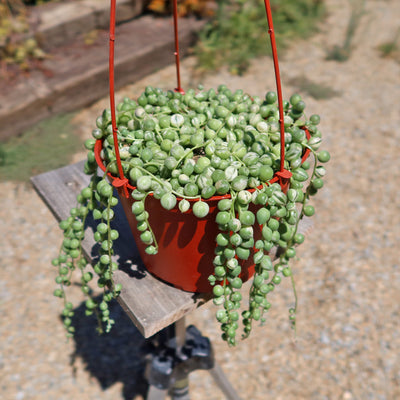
{"x": 179, "y": 147}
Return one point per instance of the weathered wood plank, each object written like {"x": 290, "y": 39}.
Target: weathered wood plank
{"x": 151, "y": 304}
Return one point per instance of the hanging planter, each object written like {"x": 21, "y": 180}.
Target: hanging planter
{"x": 210, "y": 182}
{"x": 185, "y": 242}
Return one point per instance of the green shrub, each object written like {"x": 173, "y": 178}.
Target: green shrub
{"x": 13, "y": 26}
{"x": 239, "y": 30}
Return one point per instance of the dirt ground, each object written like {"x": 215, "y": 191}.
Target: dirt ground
{"x": 347, "y": 276}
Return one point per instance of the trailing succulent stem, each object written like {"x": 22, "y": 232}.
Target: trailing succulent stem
{"x": 184, "y": 149}
{"x": 98, "y": 199}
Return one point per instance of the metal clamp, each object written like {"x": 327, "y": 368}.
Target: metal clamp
{"x": 169, "y": 363}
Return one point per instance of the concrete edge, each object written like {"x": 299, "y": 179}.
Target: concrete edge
{"x": 55, "y": 24}
{"x": 34, "y": 101}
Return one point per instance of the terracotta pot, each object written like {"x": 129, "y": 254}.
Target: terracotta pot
{"x": 185, "y": 243}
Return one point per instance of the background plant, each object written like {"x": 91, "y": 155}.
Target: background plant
{"x": 238, "y": 32}
{"x": 14, "y": 48}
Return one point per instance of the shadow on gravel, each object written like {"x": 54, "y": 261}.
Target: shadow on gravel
{"x": 114, "y": 357}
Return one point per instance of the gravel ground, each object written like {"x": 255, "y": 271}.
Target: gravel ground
{"x": 347, "y": 278}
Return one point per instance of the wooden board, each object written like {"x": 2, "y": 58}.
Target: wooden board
{"x": 150, "y": 303}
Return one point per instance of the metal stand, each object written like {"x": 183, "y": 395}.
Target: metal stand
{"x": 177, "y": 351}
